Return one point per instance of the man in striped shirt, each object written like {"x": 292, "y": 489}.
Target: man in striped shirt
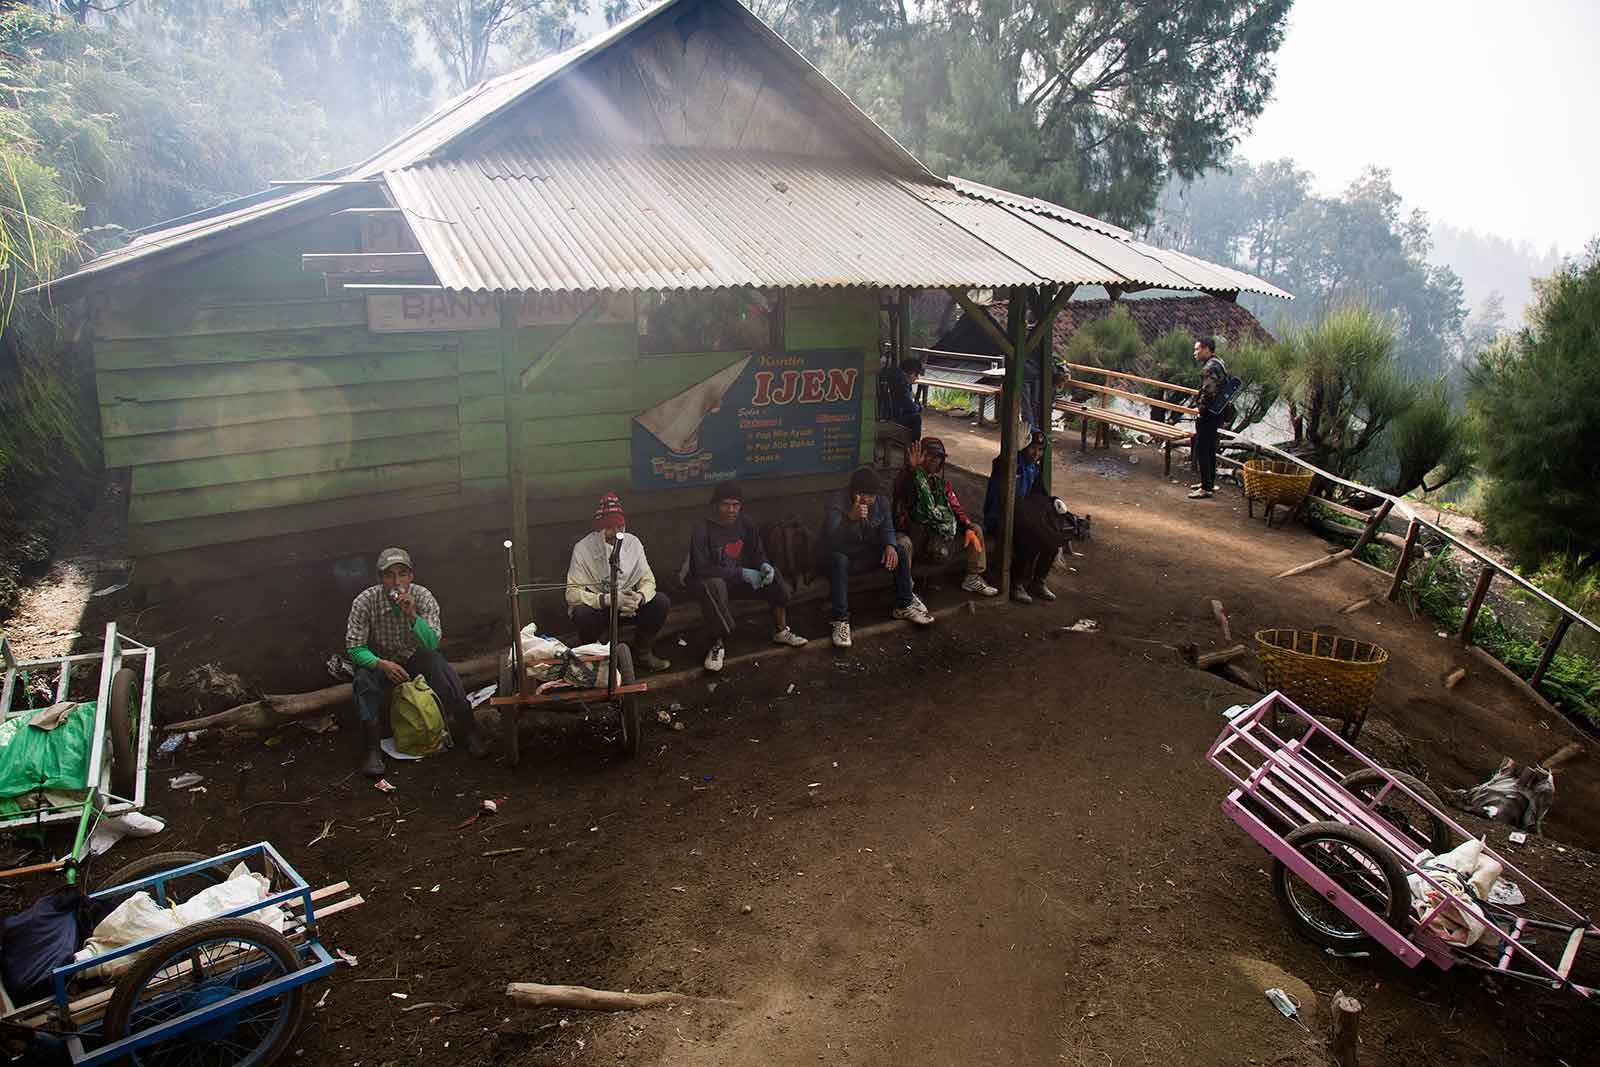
{"x": 393, "y": 635}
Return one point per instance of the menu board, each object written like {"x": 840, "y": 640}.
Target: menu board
{"x": 762, "y": 416}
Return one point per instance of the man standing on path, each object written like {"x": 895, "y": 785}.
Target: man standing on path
{"x": 858, "y": 536}
{"x": 728, "y": 561}
{"x": 393, "y": 635}
{"x": 1213, "y": 377}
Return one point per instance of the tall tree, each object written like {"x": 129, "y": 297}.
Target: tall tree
{"x": 467, "y": 32}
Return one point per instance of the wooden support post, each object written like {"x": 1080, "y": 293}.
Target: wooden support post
{"x": 516, "y": 455}
{"x": 1344, "y": 1039}
{"x": 1405, "y": 558}
{"x": 1550, "y": 649}
{"x": 1478, "y": 593}
{"x": 1372, "y": 528}
{"x": 1018, "y": 321}
{"x": 1045, "y": 403}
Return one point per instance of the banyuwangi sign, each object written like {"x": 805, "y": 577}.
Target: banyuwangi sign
{"x": 432, "y": 312}
{"x": 765, "y": 415}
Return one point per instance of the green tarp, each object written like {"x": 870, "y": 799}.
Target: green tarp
{"x": 32, "y": 759}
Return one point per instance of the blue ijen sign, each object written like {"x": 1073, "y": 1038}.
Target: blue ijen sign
{"x": 762, "y": 416}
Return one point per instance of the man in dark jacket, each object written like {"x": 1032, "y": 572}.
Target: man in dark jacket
{"x": 899, "y": 384}
{"x": 858, "y": 536}
{"x": 726, "y": 561}
{"x": 1213, "y": 377}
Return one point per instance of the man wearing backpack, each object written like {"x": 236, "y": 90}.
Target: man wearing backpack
{"x": 393, "y": 636}
{"x": 1213, "y": 381}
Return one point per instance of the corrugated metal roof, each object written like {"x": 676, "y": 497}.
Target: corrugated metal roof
{"x": 1040, "y": 207}
{"x": 1124, "y": 257}
{"x": 562, "y": 216}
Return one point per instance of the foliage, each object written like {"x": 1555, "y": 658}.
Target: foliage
{"x": 1263, "y": 371}
{"x": 1537, "y": 397}
{"x": 1111, "y": 342}
{"x": 1342, "y": 378}
{"x": 1568, "y": 578}
{"x": 468, "y": 32}
{"x": 1430, "y": 436}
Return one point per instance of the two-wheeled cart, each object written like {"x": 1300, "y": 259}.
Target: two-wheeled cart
{"x": 1351, "y": 854}
{"x": 619, "y": 695}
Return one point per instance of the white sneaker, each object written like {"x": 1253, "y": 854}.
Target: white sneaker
{"x": 714, "y": 658}
{"x": 974, "y": 583}
{"x": 1042, "y": 591}
{"x": 787, "y": 636}
{"x": 916, "y": 612}
{"x": 1020, "y": 595}
{"x": 841, "y": 634}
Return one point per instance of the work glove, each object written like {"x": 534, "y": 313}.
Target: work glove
{"x": 751, "y": 578}
{"x": 973, "y": 540}
{"x": 768, "y": 574}
{"x": 628, "y": 602}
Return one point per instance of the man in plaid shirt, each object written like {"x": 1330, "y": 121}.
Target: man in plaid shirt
{"x": 393, "y": 636}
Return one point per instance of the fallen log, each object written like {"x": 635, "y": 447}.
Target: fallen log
{"x": 1356, "y": 606}
{"x": 1325, "y": 561}
{"x": 275, "y": 708}
{"x": 1222, "y": 619}
{"x": 1561, "y": 755}
{"x": 1236, "y": 676}
{"x": 582, "y": 998}
{"x": 1205, "y": 661}
{"x": 1350, "y": 533}
{"x": 1453, "y": 679}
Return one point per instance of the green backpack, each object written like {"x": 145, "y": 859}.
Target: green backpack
{"x": 417, "y": 721}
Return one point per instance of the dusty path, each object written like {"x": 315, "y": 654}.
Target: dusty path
{"x": 979, "y": 844}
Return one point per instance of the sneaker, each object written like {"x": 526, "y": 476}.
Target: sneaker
{"x": 1202, "y": 494}
{"x": 787, "y": 636}
{"x": 714, "y": 657}
{"x": 1020, "y": 595}
{"x": 974, "y": 583}
{"x": 1198, "y": 485}
{"x": 1042, "y": 591}
{"x": 916, "y": 612}
{"x": 652, "y": 662}
{"x": 841, "y": 633}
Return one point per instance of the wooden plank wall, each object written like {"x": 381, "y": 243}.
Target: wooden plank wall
{"x": 250, "y": 408}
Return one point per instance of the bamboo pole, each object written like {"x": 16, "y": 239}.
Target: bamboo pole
{"x": 1550, "y": 650}
{"x": 1325, "y": 561}
{"x": 536, "y": 994}
{"x": 1478, "y": 593}
{"x": 1018, "y": 321}
{"x": 1222, "y": 619}
{"x": 1406, "y": 550}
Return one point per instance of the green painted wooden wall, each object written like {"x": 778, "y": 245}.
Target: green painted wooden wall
{"x": 248, "y": 404}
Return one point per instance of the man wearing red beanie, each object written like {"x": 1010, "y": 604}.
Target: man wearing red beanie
{"x": 639, "y": 603}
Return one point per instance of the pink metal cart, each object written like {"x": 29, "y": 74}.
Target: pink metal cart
{"x": 1349, "y": 850}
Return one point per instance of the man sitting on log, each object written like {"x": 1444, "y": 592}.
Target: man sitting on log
{"x": 727, "y": 561}
{"x": 639, "y": 602}
{"x": 927, "y": 510}
{"x": 393, "y": 636}
{"x": 858, "y": 536}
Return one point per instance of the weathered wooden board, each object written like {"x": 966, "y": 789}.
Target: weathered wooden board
{"x": 433, "y": 312}
{"x": 110, "y": 355}
{"x": 278, "y": 434}
{"x": 570, "y": 429}
{"x": 176, "y": 315}
{"x": 567, "y": 458}
{"x": 121, "y": 418}
{"x": 297, "y": 489}
{"x": 272, "y": 376}
{"x": 408, "y": 446}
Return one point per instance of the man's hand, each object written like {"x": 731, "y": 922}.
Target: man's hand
{"x": 396, "y": 673}
{"x": 408, "y": 605}
{"x": 914, "y": 454}
{"x": 859, "y": 510}
{"x": 628, "y": 602}
{"x": 891, "y": 558}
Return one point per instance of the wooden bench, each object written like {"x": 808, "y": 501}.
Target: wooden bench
{"x": 977, "y": 389}
{"x": 1164, "y": 432}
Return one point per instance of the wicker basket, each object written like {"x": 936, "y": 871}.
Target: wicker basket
{"x": 1276, "y": 481}
{"x": 1326, "y": 675}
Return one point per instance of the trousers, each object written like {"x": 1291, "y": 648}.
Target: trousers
{"x": 372, "y": 685}
{"x": 594, "y": 624}
{"x": 839, "y": 566}
{"x": 1205, "y": 448}
{"x": 717, "y": 596}
{"x": 930, "y": 548}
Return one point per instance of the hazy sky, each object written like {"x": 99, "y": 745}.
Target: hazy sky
{"x": 1484, "y": 112}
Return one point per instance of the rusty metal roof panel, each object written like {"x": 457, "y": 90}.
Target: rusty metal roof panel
{"x": 568, "y": 216}
{"x": 1033, "y": 204}
{"x": 1123, "y": 257}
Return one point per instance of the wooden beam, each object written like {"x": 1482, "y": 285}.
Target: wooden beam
{"x": 1045, "y": 325}
{"x": 1478, "y": 593}
{"x": 1018, "y": 321}
{"x": 1372, "y": 528}
{"x": 547, "y": 359}
{"x": 1045, "y": 332}
{"x": 1550, "y": 650}
{"x": 1136, "y": 378}
{"x": 365, "y": 263}
{"x": 985, "y": 321}
{"x": 1406, "y": 551}
{"x": 516, "y": 453}
{"x": 1344, "y": 1042}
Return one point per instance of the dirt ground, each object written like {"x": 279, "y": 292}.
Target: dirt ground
{"x": 986, "y": 842}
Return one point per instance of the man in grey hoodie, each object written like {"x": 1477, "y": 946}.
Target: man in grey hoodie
{"x": 858, "y": 536}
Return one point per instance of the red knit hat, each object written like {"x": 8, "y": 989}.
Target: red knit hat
{"x": 609, "y": 513}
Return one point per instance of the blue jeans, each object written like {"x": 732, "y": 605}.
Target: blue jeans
{"x": 839, "y": 566}
{"x": 372, "y": 685}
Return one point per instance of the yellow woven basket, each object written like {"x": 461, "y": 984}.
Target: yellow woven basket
{"x": 1326, "y": 675}
{"x": 1276, "y": 481}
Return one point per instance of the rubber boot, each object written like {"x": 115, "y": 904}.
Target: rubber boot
{"x": 464, "y": 724}
{"x": 372, "y": 762}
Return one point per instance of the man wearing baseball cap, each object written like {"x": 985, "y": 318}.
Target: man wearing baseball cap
{"x": 639, "y": 603}
{"x": 393, "y": 636}
{"x": 928, "y": 511}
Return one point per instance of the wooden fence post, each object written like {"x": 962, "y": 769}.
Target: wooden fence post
{"x": 1405, "y": 558}
{"x": 1372, "y": 528}
{"x": 1475, "y": 603}
{"x": 1550, "y": 649}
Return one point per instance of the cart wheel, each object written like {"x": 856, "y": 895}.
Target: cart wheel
{"x": 1427, "y": 828}
{"x": 204, "y": 966}
{"x": 628, "y": 705}
{"x": 179, "y": 889}
{"x": 122, "y": 718}
{"x": 1359, "y": 864}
